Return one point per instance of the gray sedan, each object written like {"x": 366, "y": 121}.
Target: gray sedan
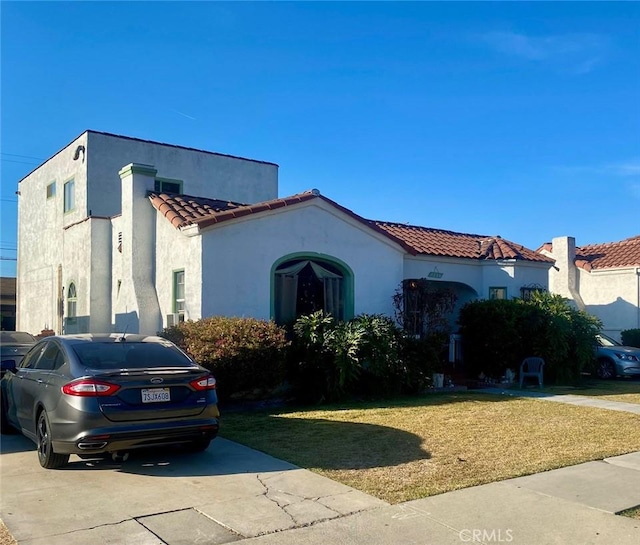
{"x": 13, "y": 346}
{"x": 96, "y": 394}
{"x": 614, "y": 359}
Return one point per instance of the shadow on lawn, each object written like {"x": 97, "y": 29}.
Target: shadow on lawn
{"x": 330, "y": 443}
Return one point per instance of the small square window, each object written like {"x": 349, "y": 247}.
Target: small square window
{"x": 168, "y": 186}
{"x": 51, "y": 190}
{"x": 497, "y": 293}
{"x": 69, "y": 195}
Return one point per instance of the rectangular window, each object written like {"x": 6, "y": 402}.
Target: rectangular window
{"x": 178, "y": 294}
{"x": 164, "y": 185}
{"x": 51, "y": 190}
{"x": 526, "y": 292}
{"x": 69, "y": 195}
{"x": 497, "y": 293}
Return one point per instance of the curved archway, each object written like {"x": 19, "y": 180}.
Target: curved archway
{"x": 305, "y": 282}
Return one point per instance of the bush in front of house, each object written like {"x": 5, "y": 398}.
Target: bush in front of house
{"x": 365, "y": 356}
{"x": 631, "y": 337}
{"x": 247, "y": 356}
{"x": 499, "y": 334}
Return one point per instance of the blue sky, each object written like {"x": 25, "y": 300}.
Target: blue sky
{"x": 513, "y": 119}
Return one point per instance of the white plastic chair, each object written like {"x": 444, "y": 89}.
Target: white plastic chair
{"x": 531, "y": 367}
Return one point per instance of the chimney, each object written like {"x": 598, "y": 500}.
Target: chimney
{"x": 565, "y": 279}
{"x": 138, "y": 309}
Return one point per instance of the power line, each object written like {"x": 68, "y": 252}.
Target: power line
{"x": 23, "y": 156}
{"x": 22, "y": 162}
{"x": 2, "y": 258}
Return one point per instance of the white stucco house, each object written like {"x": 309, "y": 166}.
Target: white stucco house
{"x": 120, "y": 233}
{"x": 602, "y": 279}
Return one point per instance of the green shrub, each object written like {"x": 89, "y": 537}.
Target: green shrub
{"x": 499, "y": 334}
{"x": 631, "y": 337}
{"x": 368, "y": 355}
{"x": 247, "y": 356}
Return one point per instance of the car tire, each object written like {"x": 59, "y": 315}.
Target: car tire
{"x": 46, "y": 456}
{"x": 606, "y": 369}
{"x": 199, "y": 445}
{"x": 5, "y": 427}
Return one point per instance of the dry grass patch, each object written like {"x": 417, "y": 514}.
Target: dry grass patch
{"x": 631, "y": 513}
{"x": 412, "y": 448}
{"x": 5, "y": 536}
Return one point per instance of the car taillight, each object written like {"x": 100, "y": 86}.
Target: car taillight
{"x": 204, "y": 383}
{"x": 89, "y": 388}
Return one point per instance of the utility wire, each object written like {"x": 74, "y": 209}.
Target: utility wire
{"x": 23, "y": 156}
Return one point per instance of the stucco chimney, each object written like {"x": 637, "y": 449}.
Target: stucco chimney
{"x": 137, "y": 308}
{"x": 564, "y": 280}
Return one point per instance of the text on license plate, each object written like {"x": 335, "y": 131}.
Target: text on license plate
{"x": 155, "y": 395}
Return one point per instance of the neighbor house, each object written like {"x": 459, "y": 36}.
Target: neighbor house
{"x": 118, "y": 233}
{"x": 602, "y": 279}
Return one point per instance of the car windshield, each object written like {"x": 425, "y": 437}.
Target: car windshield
{"x": 16, "y": 337}
{"x": 129, "y": 355}
{"x": 607, "y": 341}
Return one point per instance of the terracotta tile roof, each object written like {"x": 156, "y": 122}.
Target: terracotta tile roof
{"x": 610, "y": 255}
{"x": 184, "y": 210}
{"x": 427, "y": 241}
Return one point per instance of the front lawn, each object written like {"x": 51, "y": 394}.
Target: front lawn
{"x": 627, "y": 390}
{"x": 410, "y": 448}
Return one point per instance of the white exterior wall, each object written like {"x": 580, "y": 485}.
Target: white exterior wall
{"x": 176, "y": 251}
{"x": 101, "y": 266}
{"x": 203, "y": 174}
{"x": 480, "y": 275}
{"x": 76, "y": 269}
{"x": 237, "y": 258}
{"x": 612, "y": 295}
{"x": 41, "y": 238}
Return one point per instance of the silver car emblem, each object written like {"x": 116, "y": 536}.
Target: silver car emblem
{"x": 156, "y": 380}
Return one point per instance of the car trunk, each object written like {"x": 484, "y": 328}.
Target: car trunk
{"x": 152, "y": 394}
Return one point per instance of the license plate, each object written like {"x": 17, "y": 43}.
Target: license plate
{"x": 155, "y": 395}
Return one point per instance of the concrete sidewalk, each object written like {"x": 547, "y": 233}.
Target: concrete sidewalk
{"x": 581, "y": 400}
{"x": 571, "y": 506}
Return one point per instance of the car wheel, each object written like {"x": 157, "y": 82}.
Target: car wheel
{"x": 606, "y": 369}
{"x": 48, "y": 459}
{"x": 199, "y": 445}
{"x": 5, "y": 427}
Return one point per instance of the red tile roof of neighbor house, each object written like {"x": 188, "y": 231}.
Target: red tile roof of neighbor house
{"x": 183, "y": 210}
{"x": 611, "y": 255}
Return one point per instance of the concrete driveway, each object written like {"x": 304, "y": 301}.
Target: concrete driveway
{"x": 225, "y": 494}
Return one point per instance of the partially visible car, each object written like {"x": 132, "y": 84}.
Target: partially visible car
{"x": 108, "y": 394}
{"x": 614, "y": 359}
{"x": 13, "y": 346}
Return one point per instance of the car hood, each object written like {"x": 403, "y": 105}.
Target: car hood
{"x": 623, "y": 349}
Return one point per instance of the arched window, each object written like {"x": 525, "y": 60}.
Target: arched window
{"x": 72, "y": 300}
{"x": 304, "y": 285}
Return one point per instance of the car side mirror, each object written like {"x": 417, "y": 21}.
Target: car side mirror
{"x": 8, "y": 366}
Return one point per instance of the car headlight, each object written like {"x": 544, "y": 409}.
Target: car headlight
{"x": 627, "y": 357}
